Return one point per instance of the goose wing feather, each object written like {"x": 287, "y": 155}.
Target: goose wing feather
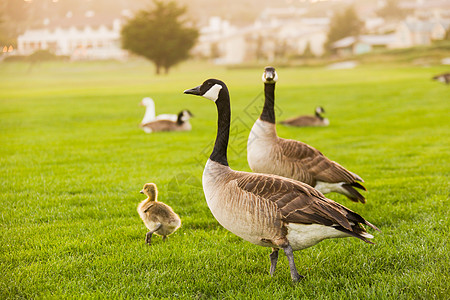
{"x": 318, "y": 165}
{"x": 160, "y": 125}
{"x": 298, "y": 202}
{"x": 302, "y": 121}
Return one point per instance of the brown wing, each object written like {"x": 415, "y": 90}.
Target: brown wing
{"x": 315, "y": 163}
{"x": 298, "y": 202}
{"x": 303, "y": 121}
{"x": 160, "y": 125}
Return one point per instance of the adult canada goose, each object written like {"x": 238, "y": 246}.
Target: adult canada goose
{"x": 268, "y": 210}
{"x": 181, "y": 124}
{"x": 268, "y": 153}
{"x": 150, "y": 115}
{"x": 158, "y": 217}
{"x": 444, "y": 78}
{"x": 306, "y": 121}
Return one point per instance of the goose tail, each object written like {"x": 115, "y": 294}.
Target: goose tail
{"x": 357, "y": 177}
{"x": 357, "y": 231}
{"x": 353, "y": 194}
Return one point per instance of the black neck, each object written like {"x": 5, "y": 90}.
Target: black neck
{"x": 319, "y": 116}
{"x": 268, "y": 113}
{"x": 219, "y": 153}
{"x": 179, "y": 120}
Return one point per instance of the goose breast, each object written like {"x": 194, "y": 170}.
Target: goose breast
{"x": 252, "y": 218}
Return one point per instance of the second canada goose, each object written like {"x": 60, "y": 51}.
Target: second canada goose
{"x": 268, "y": 153}
{"x": 268, "y": 210}
{"x": 150, "y": 114}
{"x": 306, "y": 121}
{"x": 158, "y": 217}
{"x": 181, "y": 124}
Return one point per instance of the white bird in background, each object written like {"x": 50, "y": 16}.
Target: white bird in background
{"x": 150, "y": 115}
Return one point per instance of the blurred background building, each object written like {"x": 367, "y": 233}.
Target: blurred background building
{"x": 84, "y": 37}
{"x": 233, "y": 32}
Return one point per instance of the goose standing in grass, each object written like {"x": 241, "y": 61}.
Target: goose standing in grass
{"x": 158, "y": 217}
{"x": 150, "y": 114}
{"x": 268, "y": 210}
{"x": 268, "y": 153}
{"x": 308, "y": 121}
{"x": 181, "y": 123}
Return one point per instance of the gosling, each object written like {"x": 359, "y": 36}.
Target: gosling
{"x": 158, "y": 217}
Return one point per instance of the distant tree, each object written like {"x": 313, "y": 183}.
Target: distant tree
{"x": 2, "y": 31}
{"x": 342, "y": 25}
{"x": 392, "y": 11}
{"x": 160, "y": 35}
{"x": 14, "y": 16}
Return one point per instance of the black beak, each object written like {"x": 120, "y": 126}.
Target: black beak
{"x": 194, "y": 91}
{"x": 141, "y": 192}
{"x": 269, "y": 75}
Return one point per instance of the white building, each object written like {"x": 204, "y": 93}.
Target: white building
{"x": 414, "y": 32}
{"x": 363, "y": 43}
{"x": 263, "y": 40}
{"x": 87, "y": 37}
{"x": 305, "y": 32}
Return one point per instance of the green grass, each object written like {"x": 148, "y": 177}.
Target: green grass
{"x": 73, "y": 160}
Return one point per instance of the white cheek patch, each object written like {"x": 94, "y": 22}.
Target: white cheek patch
{"x": 276, "y": 77}
{"x": 213, "y": 92}
{"x": 185, "y": 117}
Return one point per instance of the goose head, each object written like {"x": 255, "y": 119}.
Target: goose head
{"x": 150, "y": 190}
{"x": 216, "y": 90}
{"x": 320, "y": 110}
{"x": 187, "y": 114}
{"x": 209, "y": 89}
{"x": 184, "y": 116}
{"x": 147, "y": 101}
{"x": 269, "y": 75}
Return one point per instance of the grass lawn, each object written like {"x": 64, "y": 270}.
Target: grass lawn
{"x": 73, "y": 160}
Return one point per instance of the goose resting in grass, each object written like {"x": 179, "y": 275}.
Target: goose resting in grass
{"x": 444, "y": 78}
{"x": 308, "y": 121}
{"x": 150, "y": 114}
{"x": 268, "y": 153}
{"x": 158, "y": 217}
{"x": 268, "y": 210}
{"x": 181, "y": 124}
